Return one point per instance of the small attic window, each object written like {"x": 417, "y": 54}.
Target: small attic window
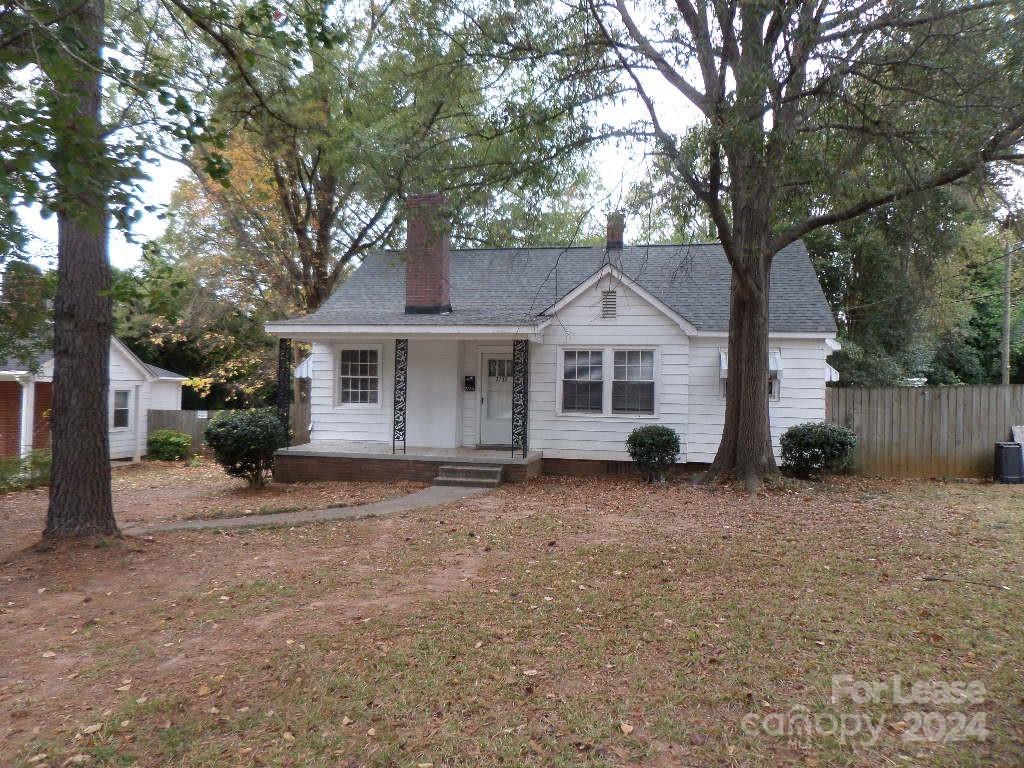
{"x": 609, "y": 301}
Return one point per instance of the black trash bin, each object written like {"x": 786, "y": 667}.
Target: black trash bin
{"x": 1009, "y": 463}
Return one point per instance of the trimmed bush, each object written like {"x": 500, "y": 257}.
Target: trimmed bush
{"x": 168, "y": 445}
{"x": 817, "y": 448}
{"x": 244, "y": 442}
{"x": 654, "y": 449}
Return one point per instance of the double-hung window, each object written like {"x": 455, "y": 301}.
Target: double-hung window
{"x": 633, "y": 382}
{"x": 122, "y": 409}
{"x": 582, "y": 381}
{"x": 608, "y": 382}
{"x": 359, "y": 377}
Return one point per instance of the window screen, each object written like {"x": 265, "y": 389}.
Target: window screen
{"x": 582, "y": 382}
{"x": 359, "y": 378}
{"x": 633, "y": 382}
{"x": 121, "y": 412}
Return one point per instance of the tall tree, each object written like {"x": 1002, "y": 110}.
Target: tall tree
{"x": 58, "y": 153}
{"x": 390, "y": 100}
{"x": 807, "y": 114}
{"x": 80, "y": 496}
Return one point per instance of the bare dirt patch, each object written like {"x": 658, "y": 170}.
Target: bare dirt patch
{"x": 522, "y": 627}
{"x": 155, "y": 492}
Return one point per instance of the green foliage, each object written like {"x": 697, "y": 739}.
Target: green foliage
{"x": 816, "y": 448}
{"x": 168, "y": 445}
{"x": 25, "y": 325}
{"x": 244, "y": 442}
{"x": 32, "y": 471}
{"x": 654, "y": 448}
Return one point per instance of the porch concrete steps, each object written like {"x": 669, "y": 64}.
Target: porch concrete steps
{"x": 470, "y": 475}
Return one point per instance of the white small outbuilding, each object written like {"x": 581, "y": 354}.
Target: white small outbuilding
{"x": 135, "y": 389}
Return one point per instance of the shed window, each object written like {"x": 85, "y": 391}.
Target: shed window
{"x": 582, "y": 381}
{"x": 633, "y": 382}
{"x": 122, "y": 412}
{"x": 359, "y": 377}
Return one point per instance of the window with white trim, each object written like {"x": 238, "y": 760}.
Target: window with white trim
{"x": 633, "y": 381}
{"x": 359, "y": 376}
{"x": 774, "y": 373}
{"x": 582, "y": 381}
{"x": 121, "y": 415}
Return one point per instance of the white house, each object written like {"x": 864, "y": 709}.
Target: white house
{"x": 556, "y": 352}
{"x": 135, "y": 388}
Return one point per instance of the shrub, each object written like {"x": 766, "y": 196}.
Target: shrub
{"x": 243, "y": 442}
{"x": 32, "y": 471}
{"x": 817, "y": 448}
{"x": 654, "y": 449}
{"x": 168, "y": 445}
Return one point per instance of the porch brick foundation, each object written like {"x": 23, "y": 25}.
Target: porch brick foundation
{"x": 298, "y": 469}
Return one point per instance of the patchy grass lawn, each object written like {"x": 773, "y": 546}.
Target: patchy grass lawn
{"x": 564, "y": 622}
{"x": 162, "y": 491}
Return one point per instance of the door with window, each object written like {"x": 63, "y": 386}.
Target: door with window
{"x": 496, "y": 400}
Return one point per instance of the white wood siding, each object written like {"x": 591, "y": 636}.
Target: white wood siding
{"x": 802, "y": 393}
{"x": 433, "y": 416}
{"x": 165, "y": 395}
{"x": 333, "y": 422}
{"x": 637, "y": 325}
{"x": 433, "y": 403}
{"x": 125, "y": 375}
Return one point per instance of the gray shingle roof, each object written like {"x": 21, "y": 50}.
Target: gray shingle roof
{"x": 13, "y": 364}
{"x": 162, "y": 372}
{"x": 514, "y": 286}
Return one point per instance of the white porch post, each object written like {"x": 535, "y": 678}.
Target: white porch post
{"x": 141, "y": 425}
{"x": 28, "y": 403}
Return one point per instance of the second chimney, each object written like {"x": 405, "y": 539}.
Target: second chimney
{"x": 616, "y": 229}
{"x": 427, "y": 258}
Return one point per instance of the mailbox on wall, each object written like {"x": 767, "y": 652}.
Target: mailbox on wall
{"x": 469, "y": 384}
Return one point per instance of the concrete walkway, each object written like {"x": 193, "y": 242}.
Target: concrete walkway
{"x": 434, "y": 496}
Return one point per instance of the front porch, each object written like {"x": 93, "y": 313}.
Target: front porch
{"x": 369, "y": 460}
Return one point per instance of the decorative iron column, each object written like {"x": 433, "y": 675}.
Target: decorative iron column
{"x": 401, "y": 391}
{"x": 283, "y": 398}
{"x": 520, "y": 395}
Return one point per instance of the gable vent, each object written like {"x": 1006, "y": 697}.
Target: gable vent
{"x": 609, "y": 300}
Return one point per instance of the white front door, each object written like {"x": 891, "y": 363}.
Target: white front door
{"x": 496, "y": 400}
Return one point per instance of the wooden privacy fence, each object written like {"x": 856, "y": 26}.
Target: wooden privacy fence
{"x": 927, "y": 431}
{"x": 194, "y": 423}
{"x": 190, "y": 422}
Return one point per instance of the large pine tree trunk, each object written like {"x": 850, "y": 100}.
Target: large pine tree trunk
{"x": 80, "y": 498}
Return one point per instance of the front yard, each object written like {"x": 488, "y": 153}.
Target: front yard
{"x": 563, "y": 622}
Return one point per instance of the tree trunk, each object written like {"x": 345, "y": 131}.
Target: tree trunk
{"x": 746, "y": 447}
{"x": 80, "y": 497}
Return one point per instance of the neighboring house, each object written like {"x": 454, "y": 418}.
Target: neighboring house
{"x": 557, "y": 352}
{"x": 135, "y": 388}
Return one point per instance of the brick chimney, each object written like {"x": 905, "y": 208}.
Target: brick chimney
{"x": 616, "y": 228}
{"x": 427, "y": 258}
